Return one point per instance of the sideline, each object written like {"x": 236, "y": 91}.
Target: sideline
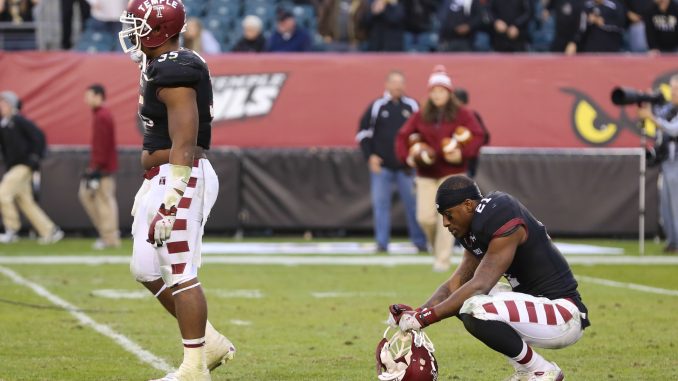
{"x": 84, "y": 319}
{"x": 630, "y": 286}
{"x": 325, "y": 260}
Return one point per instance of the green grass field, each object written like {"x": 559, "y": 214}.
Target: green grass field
{"x": 309, "y": 322}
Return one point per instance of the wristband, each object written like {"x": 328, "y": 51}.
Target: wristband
{"x": 177, "y": 181}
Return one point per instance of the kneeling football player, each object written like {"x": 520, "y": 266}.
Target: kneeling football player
{"x": 540, "y": 306}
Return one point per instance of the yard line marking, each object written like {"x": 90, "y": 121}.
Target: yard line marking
{"x": 235, "y": 294}
{"x": 292, "y": 260}
{"x": 340, "y": 294}
{"x": 122, "y": 340}
{"x": 240, "y": 322}
{"x": 121, "y": 294}
{"x": 631, "y": 286}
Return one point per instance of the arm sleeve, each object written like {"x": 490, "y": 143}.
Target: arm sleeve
{"x": 401, "y": 148}
{"x": 171, "y": 73}
{"x": 467, "y": 119}
{"x": 499, "y": 217}
{"x": 365, "y": 133}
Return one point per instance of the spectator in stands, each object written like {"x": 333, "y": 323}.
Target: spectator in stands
{"x": 198, "y": 39}
{"x": 604, "y": 27}
{"x": 459, "y": 19}
{"x": 666, "y": 118}
{"x": 105, "y": 18}
{"x": 17, "y": 11}
{"x": 288, "y": 36}
{"x": 67, "y": 19}
{"x": 661, "y": 26}
{"x": 510, "y": 20}
{"x": 569, "y": 16}
{"x": 636, "y": 11}
{"x": 22, "y": 145}
{"x": 97, "y": 188}
{"x": 252, "y": 41}
{"x": 357, "y": 30}
{"x": 418, "y": 17}
{"x": 385, "y": 23}
{"x": 438, "y": 119}
{"x": 463, "y": 97}
{"x": 376, "y": 136}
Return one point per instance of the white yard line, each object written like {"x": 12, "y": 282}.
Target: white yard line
{"x": 84, "y": 319}
{"x": 630, "y": 286}
{"x": 297, "y": 260}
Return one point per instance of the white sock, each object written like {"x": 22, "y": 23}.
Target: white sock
{"x": 194, "y": 353}
{"x": 530, "y": 361}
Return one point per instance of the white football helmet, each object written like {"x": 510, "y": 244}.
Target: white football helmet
{"x": 406, "y": 356}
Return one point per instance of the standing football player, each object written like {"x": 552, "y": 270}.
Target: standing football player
{"x": 180, "y": 186}
{"x": 540, "y": 308}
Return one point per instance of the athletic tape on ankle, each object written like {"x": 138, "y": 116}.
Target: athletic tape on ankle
{"x": 185, "y": 288}
{"x": 164, "y": 286}
{"x": 193, "y": 343}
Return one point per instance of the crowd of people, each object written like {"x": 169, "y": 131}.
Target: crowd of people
{"x": 567, "y": 26}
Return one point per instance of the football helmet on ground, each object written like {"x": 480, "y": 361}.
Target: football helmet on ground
{"x": 406, "y": 356}
{"x": 150, "y": 23}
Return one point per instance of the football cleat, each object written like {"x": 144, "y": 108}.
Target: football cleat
{"x": 185, "y": 373}
{"x": 549, "y": 375}
{"x": 406, "y": 356}
{"x": 218, "y": 352}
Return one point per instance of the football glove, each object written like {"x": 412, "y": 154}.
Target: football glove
{"x": 161, "y": 226}
{"x": 395, "y": 312}
{"x": 416, "y": 320}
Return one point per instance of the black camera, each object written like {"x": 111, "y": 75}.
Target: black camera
{"x": 627, "y": 96}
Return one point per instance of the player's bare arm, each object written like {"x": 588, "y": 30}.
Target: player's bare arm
{"x": 182, "y": 115}
{"x": 461, "y": 275}
{"x": 493, "y": 265}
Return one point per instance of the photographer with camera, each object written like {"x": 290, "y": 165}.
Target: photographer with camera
{"x": 665, "y": 116}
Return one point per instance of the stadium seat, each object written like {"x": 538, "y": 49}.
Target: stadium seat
{"x": 195, "y": 8}
{"x": 224, "y": 8}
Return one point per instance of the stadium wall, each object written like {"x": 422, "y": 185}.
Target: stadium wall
{"x": 573, "y": 192}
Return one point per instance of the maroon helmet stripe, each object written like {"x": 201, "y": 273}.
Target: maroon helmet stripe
{"x": 550, "y": 314}
{"x": 489, "y": 307}
{"x": 177, "y": 247}
{"x": 531, "y": 312}
{"x": 564, "y": 313}
{"x": 512, "y": 310}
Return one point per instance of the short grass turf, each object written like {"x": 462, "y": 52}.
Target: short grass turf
{"x": 293, "y": 335}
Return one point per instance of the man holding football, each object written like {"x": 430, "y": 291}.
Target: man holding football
{"x": 180, "y": 186}
{"x": 541, "y": 307}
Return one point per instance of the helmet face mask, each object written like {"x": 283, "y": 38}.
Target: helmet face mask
{"x": 133, "y": 29}
{"x": 406, "y": 356}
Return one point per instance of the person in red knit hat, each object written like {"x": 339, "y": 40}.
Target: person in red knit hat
{"x": 454, "y": 134}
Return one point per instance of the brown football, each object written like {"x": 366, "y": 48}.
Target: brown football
{"x": 422, "y": 154}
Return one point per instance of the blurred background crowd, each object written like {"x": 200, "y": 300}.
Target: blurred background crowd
{"x": 569, "y": 26}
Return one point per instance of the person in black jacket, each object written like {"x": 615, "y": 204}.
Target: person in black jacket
{"x": 385, "y": 22}
{"x": 661, "y": 27}
{"x": 376, "y": 136}
{"x": 569, "y": 16}
{"x": 510, "y": 20}
{"x": 459, "y": 20}
{"x": 20, "y": 144}
{"x": 604, "y": 28}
